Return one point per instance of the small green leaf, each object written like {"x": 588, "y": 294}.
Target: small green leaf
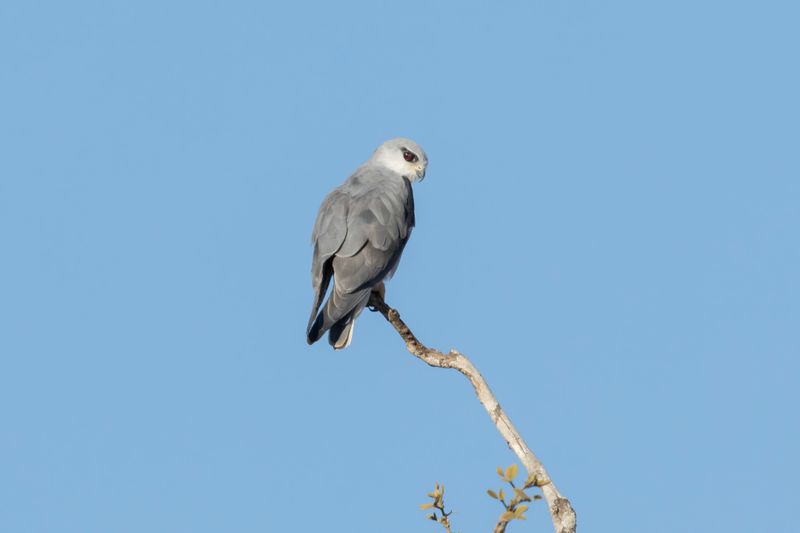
{"x": 521, "y": 509}
{"x": 501, "y": 495}
{"x": 511, "y": 472}
{"x": 492, "y": 493}
{"x": 426, "y": 506}
{"x": 500, "y": 472}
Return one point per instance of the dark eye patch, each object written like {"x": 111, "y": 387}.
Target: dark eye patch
{"x": 409, "y": 156}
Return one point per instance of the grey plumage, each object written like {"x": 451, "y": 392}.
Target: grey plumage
{"x": 361, "y": 230}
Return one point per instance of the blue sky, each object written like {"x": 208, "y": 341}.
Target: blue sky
{"x": 609, "y": 229}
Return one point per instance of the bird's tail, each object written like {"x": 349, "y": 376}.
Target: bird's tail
{"x": 338, "y": 315}
{"x": 341, "y": 334}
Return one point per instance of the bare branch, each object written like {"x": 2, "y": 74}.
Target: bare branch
{"x": 561, "y": 512}
{"x": 500, "y": 527}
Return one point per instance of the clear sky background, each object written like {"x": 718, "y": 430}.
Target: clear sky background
{"x": 609, "y": 229}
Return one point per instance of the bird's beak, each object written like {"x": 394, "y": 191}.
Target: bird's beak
{"x": 420, "y": 174}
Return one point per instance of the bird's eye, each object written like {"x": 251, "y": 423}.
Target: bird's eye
{"x": 409, "y": 156}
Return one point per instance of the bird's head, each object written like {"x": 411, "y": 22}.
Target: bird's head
{"x": 403, "y": 156}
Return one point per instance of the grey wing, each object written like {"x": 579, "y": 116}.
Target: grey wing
{"x": 378, "y": 226}
{"x": 329, "y": 233}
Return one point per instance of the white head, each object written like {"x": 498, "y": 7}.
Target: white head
{"x": 403, "y": 156}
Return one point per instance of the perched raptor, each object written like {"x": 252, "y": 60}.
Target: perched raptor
{"x": 361, "y": 230}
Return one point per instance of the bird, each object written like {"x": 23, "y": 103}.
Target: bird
{"x": 359, "y": 235}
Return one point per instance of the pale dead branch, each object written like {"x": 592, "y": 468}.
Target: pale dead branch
{"x": 561, "y": 512}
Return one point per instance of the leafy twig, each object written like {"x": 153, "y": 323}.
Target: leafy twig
{"x": 442, "y": 517}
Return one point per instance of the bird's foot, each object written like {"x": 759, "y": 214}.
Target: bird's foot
{"x": 378, "y": 292}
